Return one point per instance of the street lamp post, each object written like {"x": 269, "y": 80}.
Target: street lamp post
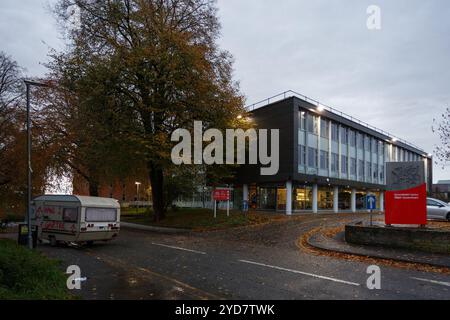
{"x": 137, "y": 195}
{"x": 28, "y": 84}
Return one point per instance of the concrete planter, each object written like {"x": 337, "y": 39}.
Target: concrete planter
{"x": 428, "y": 240}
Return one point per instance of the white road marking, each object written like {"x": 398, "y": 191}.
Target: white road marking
{"x": 301, "y": 272}
{"x": 177, "y": 248}
{"x": 447, "y": 284}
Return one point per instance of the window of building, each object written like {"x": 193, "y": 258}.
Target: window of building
{"x": 375, "y": 171}
{"x": 323, "y": 160}
{"x": 361, "y": 168}
{"x": 302, "y": 155}
{"x": 344, "y": 164}
{"x": 302, "y": 120}
{"x": 367, "y": 143}
{"x": 374, "y": 145}
{"x": 281, "y": 199}
{"x": 344, "y": 135}
{"x": 344, "y": 201}
{"x": 313, "y": 124}
{"x": 267, "y": 198}
{"x": 352, "y": 138}
{"x": 312, "y": 157}
{"x": 334, "y": 132}
{"x": 380, "y": 148}
{"x": 334, "y": 162}
{"x": 382, "y": 173}
{"x": 360, "y": 200}
{"x": 325, "y": 198}
{"x": 353, "y": 166}
{"x": 302, "y": 198}
{"x": 324, "y": 128}
{"x": 360, "y": 140}
{"x": 368, "y": 170}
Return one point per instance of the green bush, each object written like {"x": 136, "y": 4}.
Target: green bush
{"x": 26, "y": 274}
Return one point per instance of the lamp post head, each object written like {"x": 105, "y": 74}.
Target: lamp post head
{"x": 36, "y": 83}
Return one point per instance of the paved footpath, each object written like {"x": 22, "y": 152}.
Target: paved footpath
{"x": 261, "y": 262}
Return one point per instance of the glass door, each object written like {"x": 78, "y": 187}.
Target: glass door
{"x": 281, "y": 199}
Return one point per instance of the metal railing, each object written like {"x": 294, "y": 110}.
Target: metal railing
{"x": 291, "y": 93}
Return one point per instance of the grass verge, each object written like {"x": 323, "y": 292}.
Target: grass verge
{"x": 199, "y": 219}
{"x": 28, "y": 275}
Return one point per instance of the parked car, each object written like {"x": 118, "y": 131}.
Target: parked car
{"x": 437, "y": 209}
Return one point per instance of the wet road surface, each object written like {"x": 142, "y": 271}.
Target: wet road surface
{"x": 259, "y": 262}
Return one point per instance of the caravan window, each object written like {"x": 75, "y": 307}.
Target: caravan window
{"x": 70, "y": 214}
{"x": 101, "y": 215}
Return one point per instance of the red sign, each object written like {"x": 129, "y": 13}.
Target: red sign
{"x": 221, "y": 194}
{"x": 407, "y": 206}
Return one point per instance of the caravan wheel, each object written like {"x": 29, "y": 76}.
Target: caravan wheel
{"x": 53, "y": 241}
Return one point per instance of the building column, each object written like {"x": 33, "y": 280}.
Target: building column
{"x": 289, "y": 198}
{"x": 245, "y": 192}
{"x": 315, "y": 198}
{"x": 353, "y": 200}
{"x": 336, "y": 199}
{"x": 382, "y": 201}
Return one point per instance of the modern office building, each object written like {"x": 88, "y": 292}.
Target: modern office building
{"x": 441, "y": 190}
{"x": 329, "y": 161}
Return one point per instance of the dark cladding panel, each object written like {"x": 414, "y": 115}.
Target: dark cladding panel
{"x": 279, "y": 115}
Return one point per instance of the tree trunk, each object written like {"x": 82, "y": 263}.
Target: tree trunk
{"x": 93, "y": 189}
{"x": 156, "y": 181}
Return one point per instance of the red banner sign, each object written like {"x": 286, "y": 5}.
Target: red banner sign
{"x": 221, "y": 194}
{"x": 407, "y": 206}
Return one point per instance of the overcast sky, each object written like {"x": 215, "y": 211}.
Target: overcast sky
{"x": 396, "y": 78}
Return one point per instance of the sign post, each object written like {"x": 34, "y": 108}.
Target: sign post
{"x": 406, "y": 195}
{"x": 371, "y": 204}
{"x": 221, "y": 195}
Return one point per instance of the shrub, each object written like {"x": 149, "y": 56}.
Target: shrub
{"x": 27, "y": 274}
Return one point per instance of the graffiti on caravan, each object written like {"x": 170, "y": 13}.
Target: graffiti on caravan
{"x": 235, "y": 153}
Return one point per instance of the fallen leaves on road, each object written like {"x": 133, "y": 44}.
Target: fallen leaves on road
{"x": 302, "y": 243}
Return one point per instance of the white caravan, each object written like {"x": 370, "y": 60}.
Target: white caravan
{"x": 79, "y": 219}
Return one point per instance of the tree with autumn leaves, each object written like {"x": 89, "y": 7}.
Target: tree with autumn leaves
{"x": 13, "y": 142}
{"x": 133, "y": 72}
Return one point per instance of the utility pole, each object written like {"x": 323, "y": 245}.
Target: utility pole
{"x": 28, "y": 84}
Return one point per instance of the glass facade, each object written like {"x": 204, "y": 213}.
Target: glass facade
{"x": 302, "y": 198}
{"x": 331, "y": 149}
{"x": 325, "y": 198}
{"x": 324, "y": 160}
{"x": 327, "y": 148}
{"x": 360, "y": 200}
{"x": 267, "y": 198}
{"x": 345, "y": 199}
{"x": 281, "y": 199}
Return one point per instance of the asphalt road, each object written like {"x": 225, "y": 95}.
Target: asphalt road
{"x": 260, "y": 262}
